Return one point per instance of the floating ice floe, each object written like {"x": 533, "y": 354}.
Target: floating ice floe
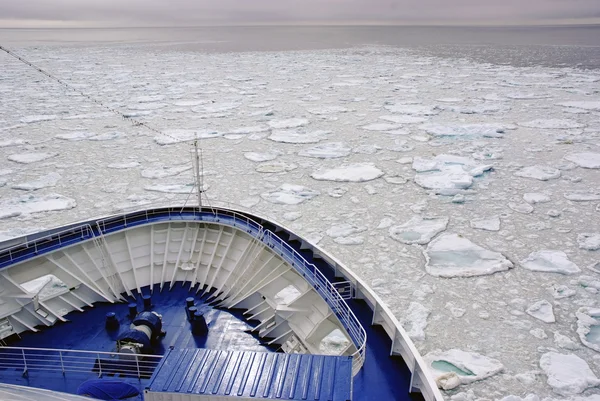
{"x": 585, "y": 160}
{"x": 172, "y": 136}
{"x": 166, "y": 171}
{"x": 419, "y": 230}
{"x": 400, "y": 146}
{"x": 123, "y": 166}
{"x": 404, "y": 119}
{"x": 524, "y": 208}
{"x": 326, "y": 110}
{"x": 27, "y": 158}
{"x": 447, "y": 173}
{"x": 550, "y": 261}
{"x": 380, "y": 127}
{"x": 260, "y": 157}
{"x": 329, "y": 150}
{"x": 255, "y": 129}
{"x": 12, "y": 142}
{"x": 561, "y": 291}
{"x": 288, "y": 123}
{"x": 455, "y": 367}
{"x": 567, "y": 373}
{"x": 534, "y": 197}
{"x": 582, "y": 196}
{"x": 212, "y": 108}
{"x": 414, "y": 321}
{"x": 565, "y": 342}
{"x": 466, "y": 130}
{"x": 292, "y": 216}
{"x": 589, "y": 241}
{"x": 585, "y": 105}
{"x": 542, "y": 310}
{"x": 75, "y": 136}
{"x": 552, "y": 123}
{"x": 294, "y": 136}
{"x": 451, "y": 255}
{"x": 345, "y": 230}
{"x": 413, "y": 109}
{"x": 27, "y": 204}
{"x": 487, "y": 224}
{"x": 275, "y": 167}
{"x": 171, "y": 188}
{"x": 588, "y": 327}
{"x": 147, "y": 106}
{"x": 107, "y": 136}
{"x": 542, "y": 173}
{"x": 289, "y": 194}
{"x": 38, "y": 118}
{"x": 481, "y": 108}
{"x": 48, "y": 180}
{"x": 358, "y": 172}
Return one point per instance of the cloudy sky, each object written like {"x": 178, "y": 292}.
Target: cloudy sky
{"x": 215, "y": 12}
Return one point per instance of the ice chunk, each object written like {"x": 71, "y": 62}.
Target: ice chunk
{"x": 584, "y": 105}
{"x": 582, "y": 196}
{"x": 27, "y": 158}
{"x": 542, "y": 173}
{"x": 260, "y": 157}
{"x": 123, "y": 166}
{"x": 275, "y": 167}
{"x": 292, "y": 216}
{"x": 552, "y": 123}
{"x": 38, "y": 118}
{"x": 357, "y": 172}
{"x": 533, "y": 198}
{"x": 561, "y": 291}
{"x": 524, "y": 208}
{"x": 404, "y": 119}
{"x": 550, "y": 261}
{"x": 588, "y": 327}
{"x": 567, "y": 373}
{"x": 419, "y": 230}
{"x": 35, "y": 204}
{"x": 107, "y": 136}
{"x": 349, "y": 240}
{"x": 412, "y": 109}
{"x": 12, "y": 142}
{"x": 165, "y": 171}
{"x": 75, "y": 136}
{"x": 172, "y": 136}
{"x": 415, "y": 321}
{"x": 585, "y": 160}
{"x": 326, "y": 110}
{"x": 48, "y": 180}
{"x": 589, "y": 241}
{"x": 465, "y": 130}
{"x": 467, "y": 367}
{"x": 380, "y": 127}
{"x": 564, "y": 342}
{"x": 255, "y": 129}
{"x": 289, "y": 136}
{"x": 452, "y": 255}
{"x": 288, "y": 123}
{"x": 171, "y": 188}
{"x": 487, "y": 224}
{"x": 345, "y": 230}
{"x": 212, "y": 108}
{"x": 450, "y": 177}
{"x": 288, "y": 194}
{"x": 329, "y": 150}
{"x": 542, "y": 310}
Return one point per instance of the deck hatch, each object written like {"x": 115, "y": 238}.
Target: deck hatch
{"x": 204, "y": 374}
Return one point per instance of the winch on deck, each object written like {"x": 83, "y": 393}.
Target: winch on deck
{"x": 145, "y": 329}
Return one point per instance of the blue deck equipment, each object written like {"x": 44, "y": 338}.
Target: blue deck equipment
{"x": 107, "y": 389}
{"x": 201, "y": 373}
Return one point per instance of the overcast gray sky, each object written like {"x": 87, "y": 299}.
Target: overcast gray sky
{"x": 214, "y": 12}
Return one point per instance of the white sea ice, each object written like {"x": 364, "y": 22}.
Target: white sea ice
{"x": 107, "y": 136}
{"x": 404, "y": 119}
{"x": 45, "y": 181}
{"x": 358, "y": 172}
{"x": 254, "y": 129}
{"x": 75, "y": 136}
{"x": 27, "y": 204}
{"x": 292, "y": 216}
{"x": 584, "y": 105}
{"x": 356, "y": 240}
{"x": 419, "y": 230}
{"x": 450, "y": 177}
{"x": 12, "y": 142}
{"x": 561, "y": 291}
{"x": 275, "y": 167}
{"x": 524, "y": 208}
{"x": 414, "y": 321}
{"x": 565, "y": 342}
{"x": 171, "y": 188}
{"x": 550, "y": 261}
{"x": 27, "y": 158}
{"x": 585, "y": 160}
{"x": 123, "y": 166}
{"x": 454, "y": 367}
{"x": 260, "y": 157}
{"x": 380, "y": 127}
{"x": 38, "y": 118}
{"x": 289, "y": 194}
{"x": 412, "y": 109}
{"x": 212, "y": 108}
{"x": 165, "y": 171}
{"x": 452, "y": 255}
{"x": 535, "y": 197}
{"x": 542, "y": 310}
{"x": 288, "y": 123}
{"x": 328, "y": 150}
{"x": 345, "y": 230}
{"x": 487, "y": 224}
{"x": 326, "y": 110}
{"x": 589, "y": 241}
{"x": 588, "y": 327}
{"x": 552, "y": 123}
{"x": 172, "y": 136}
{"x": 582, "y": 196}
{"x": 542, "y": 173}
{"x": 465, "y": 130}
{"x": 567, "y": 373}
{"x": 295, "y": 136}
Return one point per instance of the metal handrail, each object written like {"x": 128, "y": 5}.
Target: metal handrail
{"x": 63, "y": 360}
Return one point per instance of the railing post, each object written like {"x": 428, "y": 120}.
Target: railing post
{"x": 24, "y": 363}
{"x": 99, "y": 366}
{"x": 62, "y": 364}
{"x": 137, "y": 362}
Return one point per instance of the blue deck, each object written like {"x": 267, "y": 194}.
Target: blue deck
{"x": 257, "y": 375}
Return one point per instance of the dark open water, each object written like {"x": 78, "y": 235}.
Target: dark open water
{"x": 556, "y": 46}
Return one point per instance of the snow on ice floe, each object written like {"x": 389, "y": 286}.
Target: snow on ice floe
{"x": 123, "y": 166}
{"x": 534, "y": 197}
{"x": 466, "y": 130}
{"x": 447, "y": 173}
{"x": 412, "y": 109}
{"x": 542, "y": 173}
{"x": 524, "y": 208}
{"x": 452, "y": 255}
{"x": 550, "y": 261}
{"x": 419, "y": 230}
{"x": 414, "y": 321}
{"x": 588, "y": 327}
{"x": 455, "y": 367}
{"x": 165, "y": 171}
{"x": 345, "y": 234}
{"x": 589, "y": 241}
{"x": 172, "y": 136}
{"x": 403, "y": 119}
{"x": 288, "y": 123}
{"x": 212, "y": 108}
{"x": 289, "y": 194}
{"x": 582, "y": 196}
{"x": 326, "y": 110}
{"x": 542, "y": 310}
{"x": 330, "y": 150}
{"x": 260, "y": 157}
{"x": 38, "y": 118}
{"x": 275, "y": 167}
{"x": 298, "y": 137}
{"x": 487, "y": 224}
{"x": 358, "y": 172}
{"x": 12, "y": 142}
{"x": 585, "y": 160}
{"x": 48, "y": 180}
{"x": 27, "y": 204}
{"x": 171, "y": 188}
{"x": 380, "y": 127}
{"x": 253, "y": 129}
{"x": 552, "y": 123}
{"x": 585, "y": 105}
{"x": 567, "y": 374}
{"x": 75, "y": 136}
{"x": 27, "y": 158}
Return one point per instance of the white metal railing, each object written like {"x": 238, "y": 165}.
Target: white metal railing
{"x": 62, "y": 360}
